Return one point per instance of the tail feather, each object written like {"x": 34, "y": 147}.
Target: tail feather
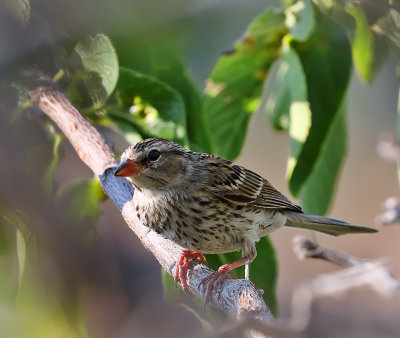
{"x": 326, "y": 225}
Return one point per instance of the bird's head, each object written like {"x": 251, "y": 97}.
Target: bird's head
{"x": 156, "y": 164}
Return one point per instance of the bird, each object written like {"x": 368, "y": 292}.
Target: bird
{"x": 209, "y": 205}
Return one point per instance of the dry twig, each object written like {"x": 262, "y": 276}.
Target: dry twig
{"x": 304, "y": 248}
{"x": 358, "y": 273}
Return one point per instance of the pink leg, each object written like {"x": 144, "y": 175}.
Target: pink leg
{"x": 183, "y": 265}
{"x": 219, "y": 275}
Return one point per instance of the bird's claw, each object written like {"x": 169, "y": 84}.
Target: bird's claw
{"x": 213, "y": 280}
{"x": 183, "y": 265}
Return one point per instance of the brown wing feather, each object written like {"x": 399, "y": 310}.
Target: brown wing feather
{"x": 242, "y": 186}
{"x": 272, "y": 198}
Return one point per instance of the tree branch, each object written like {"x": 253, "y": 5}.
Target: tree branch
{"x": 359, "y": 272}
{"x": 237, "y": 297}
{"x": 304, "y": 248}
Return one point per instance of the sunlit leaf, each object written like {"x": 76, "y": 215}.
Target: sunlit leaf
{"x": 98, "y": 55}
{"x": 300, "y": 19}
{"x": 233, "y": 90}
{"x": 326, "y": 52}
{"x": 94, "y": 69}
{"x": 295, "y": 103}
{"x": 316, "y": 193}
{"x": 368, "y": 53}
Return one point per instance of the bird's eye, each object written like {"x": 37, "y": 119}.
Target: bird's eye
{"x": 154, "y": 155}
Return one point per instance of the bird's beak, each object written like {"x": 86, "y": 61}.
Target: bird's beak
{"x": 128, "y": 168}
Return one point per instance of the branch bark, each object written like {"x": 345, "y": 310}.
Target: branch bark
{"x": 236, "y": 297}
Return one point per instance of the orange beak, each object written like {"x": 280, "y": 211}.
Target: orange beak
{"x": 128, "y": 168}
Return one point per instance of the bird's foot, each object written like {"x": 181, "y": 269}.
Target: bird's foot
{"x": 183, "y": 265}
{"x": 218, "y": 276}
{"x": 213, "y": 280}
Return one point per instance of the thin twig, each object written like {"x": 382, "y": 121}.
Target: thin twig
{"x": 359, "y": 273}
{"x": 233, "y": 296}
{"x": 304, "y": 248}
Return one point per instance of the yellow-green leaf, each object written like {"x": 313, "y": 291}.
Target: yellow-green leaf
{"x": 367, "y": 50}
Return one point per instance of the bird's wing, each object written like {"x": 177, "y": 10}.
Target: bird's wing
{"x": 242, "y": 186}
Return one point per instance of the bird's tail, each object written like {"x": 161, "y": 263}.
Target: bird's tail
{"x": 326, "y": 225}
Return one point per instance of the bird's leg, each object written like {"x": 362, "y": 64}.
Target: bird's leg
{"x": 247, "y": 270}
{"x": 217, "y": 276}
{"x": 183, "y": 265}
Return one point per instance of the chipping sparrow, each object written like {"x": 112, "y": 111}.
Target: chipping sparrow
{"x": 207, "y": 204}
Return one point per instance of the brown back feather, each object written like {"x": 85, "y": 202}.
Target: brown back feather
{"x": 243, "y": 186}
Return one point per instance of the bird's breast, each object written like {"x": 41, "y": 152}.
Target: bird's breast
{"x": 200, "y": 223}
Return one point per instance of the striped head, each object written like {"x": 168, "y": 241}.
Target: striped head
{"x": 155, "y": 164}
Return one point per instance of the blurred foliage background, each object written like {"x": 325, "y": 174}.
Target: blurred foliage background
{"x": 267, "y": 80}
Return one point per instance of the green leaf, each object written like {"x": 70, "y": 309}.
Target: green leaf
{"x": 296, "y": 103}
{"x": 277, "y": 105}
{"x": 21, "y": 254}
{"x": 100, "y": 64}
{"x": 326, "y": 62}
{"x": 389, "y": 27}
{"x": 30, "y": 305}
{"x": 172, "y": 293}
{"x": 23, "y": 234}
{"x": 81, "y": 199}
{"x": 300, "y": 19}
{"x": 316, "y": 193}
{"x": 263, "y": 270}
{"x": 48, "y": 177}
{"x": 168, "y": 68}
{"x": 233, "y": 90}
{"x": 368, "y": 53}
{"x": 336, "y": 11}
{"x": 152, "y": 107}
